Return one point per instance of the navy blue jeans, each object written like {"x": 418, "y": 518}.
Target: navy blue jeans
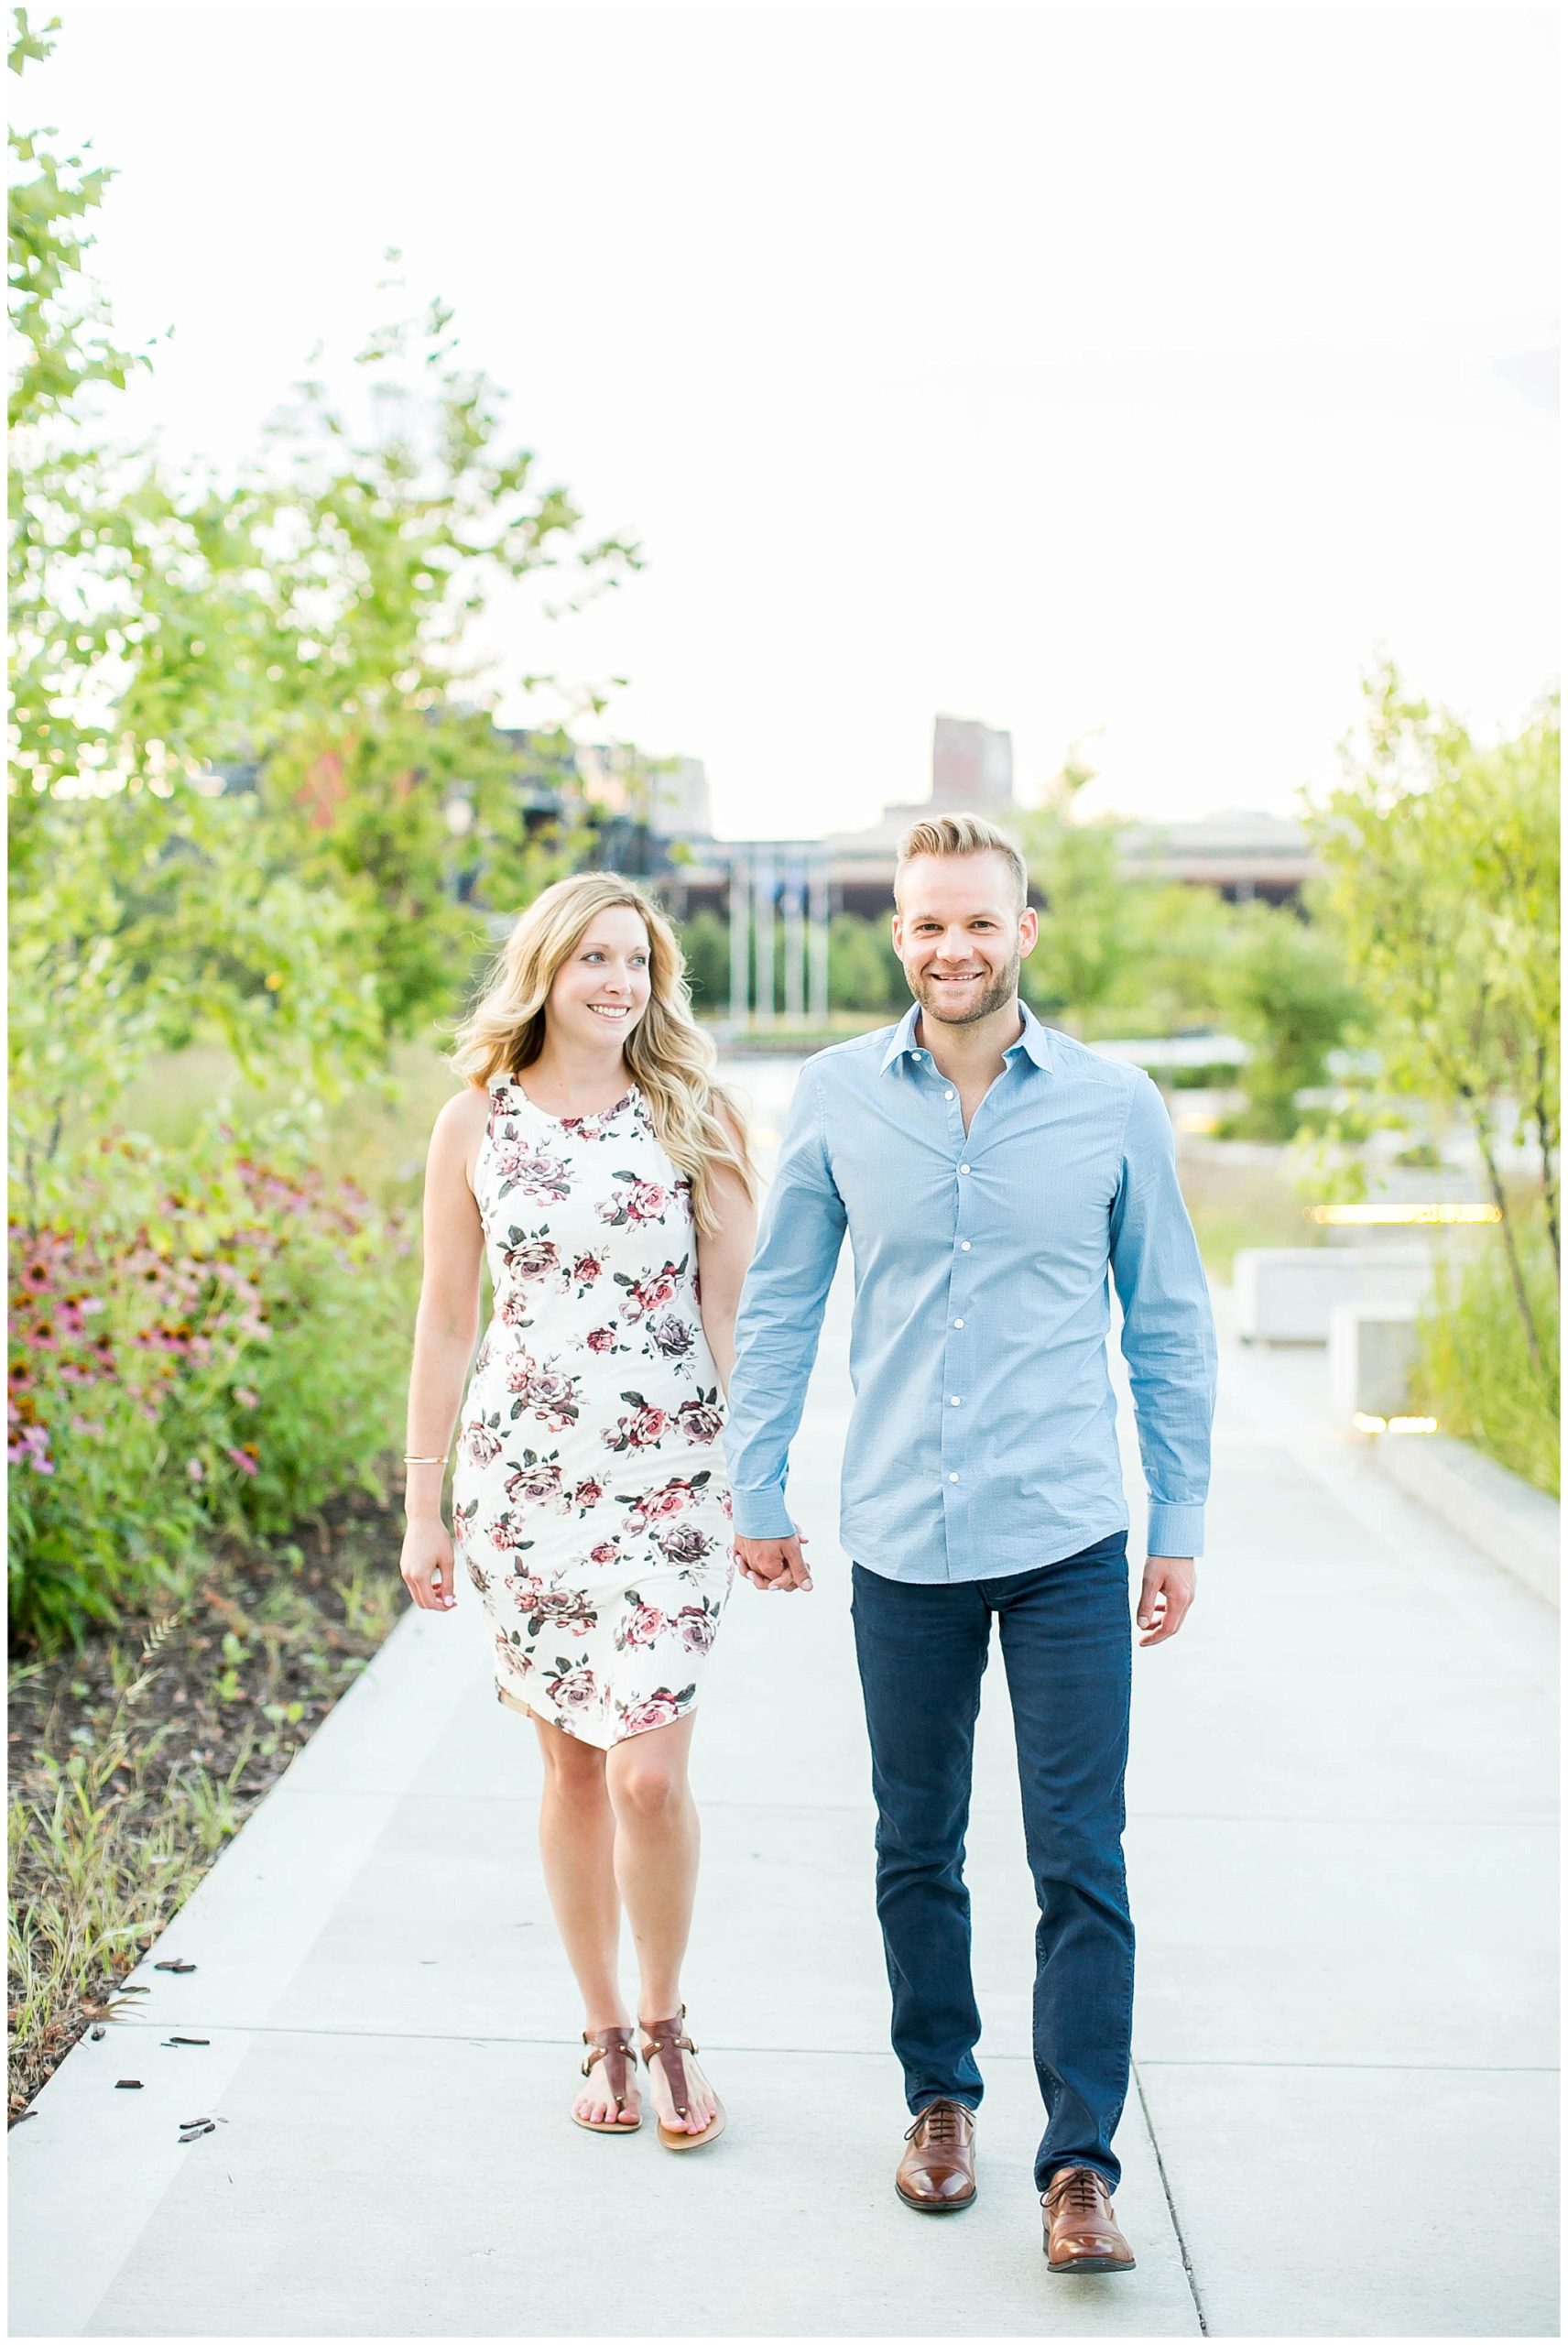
{"x": 1066, "y": 1637}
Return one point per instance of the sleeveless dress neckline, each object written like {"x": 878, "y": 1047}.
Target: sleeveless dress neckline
{"x": 567, "y": 1123}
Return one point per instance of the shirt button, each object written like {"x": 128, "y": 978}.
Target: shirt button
{"x": 953, "y": 1402}
{"x": 964, "y": 1245}
{"x": 917, "y": 1054}
{"x": 952, "y": 1478}
{"x": 958, "y": 1322}
{"x": 947, "y": 1095}
{"x": 963, "y": 1168}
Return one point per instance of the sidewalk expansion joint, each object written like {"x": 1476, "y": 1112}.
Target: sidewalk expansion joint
{"x": 482, "y": 2041}
{"x": 1171, "y": 2203}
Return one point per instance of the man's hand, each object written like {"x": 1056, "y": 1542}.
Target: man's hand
{"x": 771, "y": 1564}
{"x": 1168, "y": 1588}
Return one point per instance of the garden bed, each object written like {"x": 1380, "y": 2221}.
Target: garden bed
{"x": 136, "y": 1759}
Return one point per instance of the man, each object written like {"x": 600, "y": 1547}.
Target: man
{"x": 990, "y": 1173}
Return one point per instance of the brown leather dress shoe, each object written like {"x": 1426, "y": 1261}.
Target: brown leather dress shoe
{"x": 936, "y": 2173}
{"x": 1081, "y": 2229}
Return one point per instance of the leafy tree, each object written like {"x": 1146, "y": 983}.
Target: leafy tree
{"x": 863, "y": 971}
{"x": 1082, "y": 957}
{"x": 303, "y": 626}
{"x": 1281, "y": 982}
{"x": 1176, "y": 949}
{"x": 706, "y": 941}
{"x": 1443, "y": 873}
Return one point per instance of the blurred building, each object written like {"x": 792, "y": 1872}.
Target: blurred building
{"x": 669, "y": 796}
{"x": 972, "y": 767}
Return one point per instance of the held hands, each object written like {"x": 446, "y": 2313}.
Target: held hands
{"x": 1166, "y": 1597}
{"x": 429, "y": 1573}
{"x": 774, "y": 1564}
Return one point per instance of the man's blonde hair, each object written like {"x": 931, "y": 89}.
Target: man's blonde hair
{"x": 959, "y": 834}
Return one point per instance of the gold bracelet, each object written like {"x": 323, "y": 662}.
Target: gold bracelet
{"x": 424, "y": 1461}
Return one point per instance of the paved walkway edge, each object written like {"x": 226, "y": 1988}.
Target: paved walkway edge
{"x": 70, "y": 2154}
{"x": 1513, "y": 1524}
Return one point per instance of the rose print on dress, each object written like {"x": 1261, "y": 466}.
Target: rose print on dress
{"x": 641, "y": 1430}
{"x": 670, "y": 1499}
{"x": 683, "y": 1543}
{"x": 635, "y": 1200}
{"x": 537, "y": 1481}
{"x": 660, "y": 1708}
{"x": 482, "y": 1441}
{"x": 673, "y": 1337}
{"x": 522, "y": 1166}
{"x": 572, "y": 1686}
{"x": 530, "y": 1254}
{"x": 640, "y": 1624}
{"x": 651, "y": 1292}
{"x": 506, "y": 1533}
{"x": 586, "y": 1271}
{"x": 700, "y": 1420}
{"x": 601, "y": 1584}
{"x": 697, "y": 1625}
{"x": 557, "y": 1607}
{"x": 544, "y": 1391}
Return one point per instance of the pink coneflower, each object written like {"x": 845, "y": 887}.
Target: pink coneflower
{"x": 33, "y": 1445}
{"x": 245, "y": 1397}
{"x": 246, "y": 1459}
{"x": 197, "y": 1471}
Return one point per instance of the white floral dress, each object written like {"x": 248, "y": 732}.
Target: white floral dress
{"x": 590, "y": 1503}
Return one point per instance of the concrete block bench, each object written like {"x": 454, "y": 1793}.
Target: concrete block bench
{"x": 1287, "y": 1295}
{"x": 1371, "y": 1351}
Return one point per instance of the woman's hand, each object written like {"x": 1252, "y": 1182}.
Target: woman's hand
{"x": 428, "y": 1572}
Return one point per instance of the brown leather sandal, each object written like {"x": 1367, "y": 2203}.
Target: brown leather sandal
{"x": 665, "y": 2042}
{"x": 612, "y": 2046}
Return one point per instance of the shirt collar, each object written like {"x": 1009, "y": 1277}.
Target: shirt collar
{"x": 1033, "y": 1042}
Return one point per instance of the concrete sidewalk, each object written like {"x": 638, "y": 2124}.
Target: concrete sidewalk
{"x": 1342, "y": 1849}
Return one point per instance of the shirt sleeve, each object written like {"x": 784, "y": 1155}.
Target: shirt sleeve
{"x": 780, "y": 1318}
{"x": 1167, "y": 1329}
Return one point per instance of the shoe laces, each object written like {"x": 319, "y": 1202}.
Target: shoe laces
{"x": 1078, "y": 2188}
{"x": 939, "y": 2120}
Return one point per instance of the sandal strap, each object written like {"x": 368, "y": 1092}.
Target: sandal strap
{"x": 614, "y": 2046}
{"x": 665, "y": 2041}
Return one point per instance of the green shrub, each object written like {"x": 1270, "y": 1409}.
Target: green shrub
{"x": 198, "y": 1340}
{"x": 705, "y": 942}
{"x": 863, "y": 971}
{"x": 1475, "y": 1373}
{"x": 1283, "y": 985}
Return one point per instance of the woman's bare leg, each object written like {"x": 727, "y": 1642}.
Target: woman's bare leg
{"x": 577, "y": 1837}
{"x": 657, "y": 1848}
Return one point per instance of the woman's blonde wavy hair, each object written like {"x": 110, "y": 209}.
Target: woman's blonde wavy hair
{"x": 671, "y": 1058}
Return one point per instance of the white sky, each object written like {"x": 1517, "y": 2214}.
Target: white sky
{"x": 1100, "y": 372}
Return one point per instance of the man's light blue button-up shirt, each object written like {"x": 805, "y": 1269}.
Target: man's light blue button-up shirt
{"x": 983, "y": 1437}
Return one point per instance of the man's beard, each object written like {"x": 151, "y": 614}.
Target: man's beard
{"x": 935, "y": 1003}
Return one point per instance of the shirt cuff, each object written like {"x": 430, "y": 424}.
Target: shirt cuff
{"x": 761, "y": 1514}
{"x": 1175, "y": 1530}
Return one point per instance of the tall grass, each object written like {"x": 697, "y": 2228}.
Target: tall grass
{"x": 1475, "y": 1373}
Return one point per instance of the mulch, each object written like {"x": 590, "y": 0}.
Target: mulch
{"x": 278, "y": 1661}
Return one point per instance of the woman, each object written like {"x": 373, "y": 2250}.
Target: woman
{"x": 595, "y": 1160}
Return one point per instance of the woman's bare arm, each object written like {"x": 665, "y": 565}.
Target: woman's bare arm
{"x": 723, "y": 1259}
{"x": 445, "y": 1329}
